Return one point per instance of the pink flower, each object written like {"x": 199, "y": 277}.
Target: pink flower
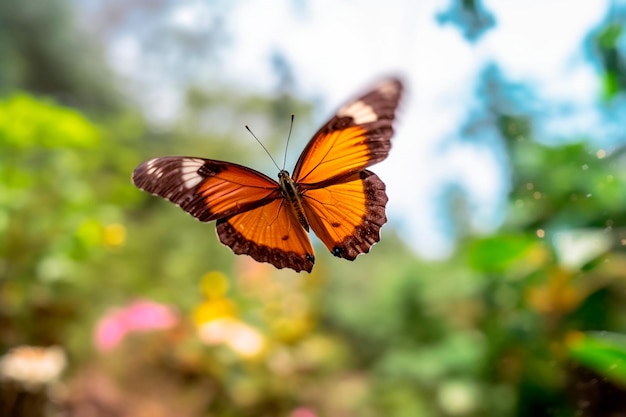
{"x": 303, "y": 412}
{"x": 141, "y": 315}
{"x": 109, "y": 331}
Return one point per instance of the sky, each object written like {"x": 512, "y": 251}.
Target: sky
{"x": 338, "y": 48}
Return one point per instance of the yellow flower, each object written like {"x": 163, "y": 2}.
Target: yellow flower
{"x": 114, "y": 235}
{"x": 214, "y": 309}
{"x": 214, "y": 284}
{"x": 557, "y": 296}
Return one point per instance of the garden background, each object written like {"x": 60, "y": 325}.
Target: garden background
{"x": 116, "y": 303}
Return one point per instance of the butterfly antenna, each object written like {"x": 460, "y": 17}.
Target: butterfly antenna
{"x": 287, "y": 144}
{"x": 263, "y": 146}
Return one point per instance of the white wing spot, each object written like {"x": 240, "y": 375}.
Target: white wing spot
{"x": 388, "y": 89}
{"x": 153, "y": 169}
{"x": 189, "y": 172}
{"x": 359, "y": 112}
{"x": 191, "y": 180}
{"x": 190, "y": 164}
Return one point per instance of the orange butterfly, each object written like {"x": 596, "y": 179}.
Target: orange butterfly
{"x": 330, "y": 190}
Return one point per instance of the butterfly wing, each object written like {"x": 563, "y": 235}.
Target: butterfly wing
{"x": 347, "y": 216}
{"x": 358, "y": 136}
{"x": 207, "y": 189}
{"x": 345, "y": 203}
{"x": 270, "y": 233}
{"x": 252, "y": 217}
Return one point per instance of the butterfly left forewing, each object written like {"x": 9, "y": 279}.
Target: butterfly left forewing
{"x": 205, "y": 188}
{"x": 358, "y": 136}
{"x": 347, "y": 216}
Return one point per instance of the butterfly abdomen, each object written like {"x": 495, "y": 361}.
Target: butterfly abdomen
{"x": 291, "y": 194}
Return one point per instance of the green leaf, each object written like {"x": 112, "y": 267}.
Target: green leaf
{"x": 603, "y": 352}
{"x": 26, "y": 122}
{"x": 498, "y": 252}
{"x": 609, "y": 37}
{"x": 610, "y": 85}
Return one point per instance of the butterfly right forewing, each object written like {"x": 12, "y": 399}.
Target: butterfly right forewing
{"x": 356, "y": 137}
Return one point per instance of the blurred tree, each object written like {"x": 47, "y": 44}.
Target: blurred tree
{"x": 605, "y": 46}
{"x": 470, "y": 16}
{"x": 44, "y": 49}
{"x": 161, "y": 48}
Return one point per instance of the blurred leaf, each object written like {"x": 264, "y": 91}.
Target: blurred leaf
{"x": 26, "y": 121}
{"x": 471, "y": 17}
{"x": 610, "y": 85}
{"x": 498, "y": 252}
{"x": 609, "y": 36}
{"x": 603, "y": 352}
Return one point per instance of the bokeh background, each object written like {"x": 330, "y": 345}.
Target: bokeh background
{"x": 499, "y": 285}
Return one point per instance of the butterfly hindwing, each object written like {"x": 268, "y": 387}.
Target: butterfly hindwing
{"x": 347, "y": 216}
{"x": 270, "y": 233}
{"x": 205, "y": 188}
{"x": 358, "y": 136}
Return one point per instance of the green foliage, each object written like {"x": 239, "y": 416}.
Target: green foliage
{"x": 604, "y": 352}
{"x": 517, "y": 323}
{"x": 606, "y": 48}
{"x": 43, "y": 164}
{"x": 487, "y": 333}
{"x": 51, "y": 217}
{"x": 499, "y": 252}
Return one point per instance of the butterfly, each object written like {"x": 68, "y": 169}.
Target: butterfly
{"x": 329, "y": 191}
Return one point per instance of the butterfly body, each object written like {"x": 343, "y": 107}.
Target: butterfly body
{"x": 289, "y": 191}
{"x": 330, "y": 190}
